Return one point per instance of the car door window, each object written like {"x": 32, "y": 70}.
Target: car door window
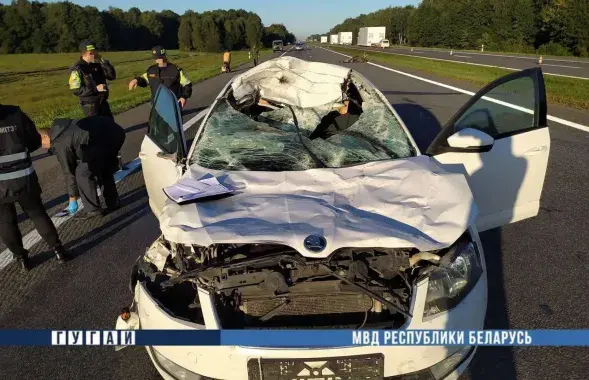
{"x": 506, "y": 109}
{"x": 510, "y": 105}
{"x": 164, "y": 125}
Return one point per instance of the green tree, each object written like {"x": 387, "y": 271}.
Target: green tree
{"x": 185, "y": 31}
{"x": 254, "y": 30}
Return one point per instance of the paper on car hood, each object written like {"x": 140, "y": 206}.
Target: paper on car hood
{"x": 409, "y": 202}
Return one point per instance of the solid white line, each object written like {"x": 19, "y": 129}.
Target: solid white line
{"x": 570, "y": 67}
{"x": 286, "y": 52}
{"x": 464, "y": 63}
{"x": 33, "y": 237}
{"x": 551, "y": 118}
{"x": 508, "y": 56}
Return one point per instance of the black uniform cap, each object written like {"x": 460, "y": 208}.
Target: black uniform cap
{"x": 87, "y": 45}
{"x": 158, "y": 52}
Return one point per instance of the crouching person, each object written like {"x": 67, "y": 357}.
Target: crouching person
{"x": 87, "y": 151}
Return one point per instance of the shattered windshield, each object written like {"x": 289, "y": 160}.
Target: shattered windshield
{"x": 266, "y": 129}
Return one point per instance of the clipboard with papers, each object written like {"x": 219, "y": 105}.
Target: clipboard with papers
{"x": 188, "y": 189}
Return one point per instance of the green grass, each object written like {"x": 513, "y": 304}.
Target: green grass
{"x": 45, "y": 96}
{"x": 18, "y": 63}
{"x": 570, "y": 57}
{"x": 564, "y": 91}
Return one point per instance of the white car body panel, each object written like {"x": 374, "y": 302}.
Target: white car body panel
{"x": 507, "y": 181}
{"x": 157, "y": 173}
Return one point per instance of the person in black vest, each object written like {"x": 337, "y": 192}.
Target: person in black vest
{"x": 88, "y": 80}
{"x": 87, "y": 153}
{"x": 19, "y": 183}
{"x": 167, "y": 74}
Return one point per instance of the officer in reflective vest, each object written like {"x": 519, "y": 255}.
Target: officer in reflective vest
{"x": 165, "y": 73}
{"x": 19, "y": 183}
{"x": 88, "y": 80}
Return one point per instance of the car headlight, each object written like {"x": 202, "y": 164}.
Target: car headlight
{"x": 174, "y": 370}
{"x": 445, "y": 367}
{"x": 459, "y": 271}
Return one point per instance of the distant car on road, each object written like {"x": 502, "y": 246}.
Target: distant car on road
{"x": 382, "y": 44}
{"x": 277, "y": 45}
{"x": 300, "y": 46}
{"x": 336, "y": 220}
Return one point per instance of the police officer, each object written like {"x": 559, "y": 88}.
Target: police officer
{"x": 19, "y": 183}
{"x": 166, "y": 73}
{"x": 88, "y": 80}
{"x": 87, "y": 153}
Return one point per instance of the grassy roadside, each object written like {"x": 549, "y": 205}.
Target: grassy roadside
{"x": 571, "y": 57}
{"x": 46, "y": 96}
{"x": 19, "y": 63}
{"x": 564, "y": 91}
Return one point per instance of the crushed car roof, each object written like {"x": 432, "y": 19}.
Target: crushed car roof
{"x": 292, "y": 81}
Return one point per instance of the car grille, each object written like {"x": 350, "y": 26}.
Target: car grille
{"x": 337, "y": 303}
{"x": 366, "y": 367}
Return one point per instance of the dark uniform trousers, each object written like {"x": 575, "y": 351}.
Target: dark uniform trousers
{"x": 97, "y": 108}
{"x": 89, "y": 178}
{"x": 33, "y": 207}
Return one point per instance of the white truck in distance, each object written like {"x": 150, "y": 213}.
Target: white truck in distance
{"x": 371, "y": 35}
{"x": 333, "y": 39}
{"x": 323, "y": 39}
{"x": 345, "y": 38}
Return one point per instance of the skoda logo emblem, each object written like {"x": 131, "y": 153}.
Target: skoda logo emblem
{"x": 315, "y": 243}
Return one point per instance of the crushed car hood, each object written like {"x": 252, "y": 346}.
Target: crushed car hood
{"x": 408, "y": 202}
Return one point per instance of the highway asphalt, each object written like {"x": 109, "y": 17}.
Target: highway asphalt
{"x": 537, "y": 268}
{"x": 566, "y": 66}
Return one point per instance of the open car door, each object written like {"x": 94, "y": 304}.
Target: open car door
{"x": 499, "y": 139}
{"x": 163, "y": 149}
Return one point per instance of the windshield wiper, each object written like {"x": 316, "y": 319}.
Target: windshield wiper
{"x": 317, "y": 160}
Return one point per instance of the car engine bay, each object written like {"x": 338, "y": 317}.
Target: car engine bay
{"x": 273, "y": 286}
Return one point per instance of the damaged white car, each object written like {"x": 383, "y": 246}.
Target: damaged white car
{"x": 336, "y": 220}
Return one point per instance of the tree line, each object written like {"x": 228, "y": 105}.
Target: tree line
{"x": 213, "y": 31}
{"x": 558, "y": 27}
{"x": 37, "y": 27}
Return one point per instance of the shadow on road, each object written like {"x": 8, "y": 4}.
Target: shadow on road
{"x": 107, "y": 226}
{"x": 417, "y": 93}
{"x": 421, "y": 122}
{"x": 491, "y": 363}
{"x": 190, "y": 111}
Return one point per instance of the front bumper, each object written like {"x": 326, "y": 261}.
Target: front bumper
{"x": 231, "y": 362}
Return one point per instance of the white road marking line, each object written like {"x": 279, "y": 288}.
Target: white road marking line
{"x": 286, "y": 52}
{"x": 570, "y": 67}
{"x": 511, "y": 56}
{"x": 465, "y": 63}
{"x": 33, "y": 237}
{"x": 462, "y": 56}
{"x": 551, "y": 118}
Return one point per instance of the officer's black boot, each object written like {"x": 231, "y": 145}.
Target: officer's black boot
{"x": 61, "y": 254}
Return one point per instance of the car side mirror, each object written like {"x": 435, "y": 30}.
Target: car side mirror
{"x": 470, "y": 140}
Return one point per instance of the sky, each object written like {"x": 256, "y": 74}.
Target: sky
{"x": 301, "y": 17}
